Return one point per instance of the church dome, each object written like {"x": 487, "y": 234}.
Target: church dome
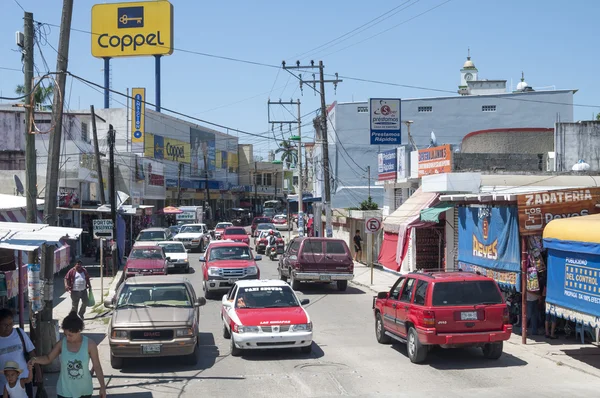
{"x": 469, "y": 64}
{"x": 522, "y": 86}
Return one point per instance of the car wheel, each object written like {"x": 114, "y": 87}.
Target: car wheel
{"x": 307, "y": 349}
{"x": 294, "y": 283}
{"x": 192, "y": 359}
{"x": 207, "y": 293}
{"x": 342, "y": 285}
{"x": 416, "y": 352}
{"x": 382, "y": 338}
{"x": 493, "y": 350}
{"x": 235, "y": 352}
{"x": 187, "y": 269}
{"x": 281, "y": 276}
{"x": 116, "y": 362}
{"x": 226, "y": 333}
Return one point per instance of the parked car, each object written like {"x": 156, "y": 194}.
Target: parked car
{"x": 258, "y": 220}
{"x": 317, "y": 260}
{"x": 281, "y": 222}
{"x": 265, "y": 314}
{"x": 193, "y": 236}
{"x": 146, "y": 260}
{"x": 177, "y": 255}
{"x": 154, "y": 317}
{"x": 224, "y": 263}
{"x": 236, "y": 234}
{"x": 175, "y": 229}
{"x": 453, "y": 309}
{"x": 263, "y": 227}
{"x": 260, "y": 242}
{"x": 153, "y": 235}
{"x": 220, "y": 227}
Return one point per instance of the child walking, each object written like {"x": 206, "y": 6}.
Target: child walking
{"x": 15, "y": 387}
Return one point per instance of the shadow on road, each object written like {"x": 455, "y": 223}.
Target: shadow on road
{"x": 587, "y": 355}
{"x": 463, "y": 358}
{"x": 310, "y": 289}
{"x": 145, "y": 394}
{"x": 283, "y": 354}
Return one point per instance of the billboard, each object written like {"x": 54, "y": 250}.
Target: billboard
{"x": 539, "y": 208}
{"x": 386, "y": 165}
{"x": 138, "y": 120}
{"x": 203, "y": 152}
{"x": 132, "y": 29}
{"x": 436, "y": 160}
{"x": 164, "y": 148}
{"x": 385, "y": 121}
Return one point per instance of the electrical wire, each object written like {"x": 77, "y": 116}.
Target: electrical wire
{"x": 19, "y": 4}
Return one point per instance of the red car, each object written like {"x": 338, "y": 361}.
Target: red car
{"x": 224, "y": 263}
{"x": 146, "y": 260}
{"x": 219, "y": 228}
{"x": 237, "y": 234}
{"x": 259, "y": 220}
{"x": 453, "y": 309}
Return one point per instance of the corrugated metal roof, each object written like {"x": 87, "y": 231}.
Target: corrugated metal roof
{"x": 12, "y": 202}
{"x": 29, "y": 237}
{"x": 498, "y": 193}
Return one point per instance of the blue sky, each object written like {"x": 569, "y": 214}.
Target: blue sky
{"x": 553, "y": 42}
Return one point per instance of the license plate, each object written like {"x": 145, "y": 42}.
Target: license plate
{"x": 232, "y": 280}
{"x": 325, "y": 278}
{"x": 468, "y": 316}
{"x": 151, "y": 348}
{"x": 171, "y": 265}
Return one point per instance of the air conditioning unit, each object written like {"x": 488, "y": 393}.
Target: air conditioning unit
{"x": 550, "y": 161}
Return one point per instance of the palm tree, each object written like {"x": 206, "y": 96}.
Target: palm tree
{"x": 289, "y": 155}
{"x": 42, "y": 95}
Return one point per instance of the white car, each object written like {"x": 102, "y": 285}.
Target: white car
{"x": 260, "y": 242}
{"x": 177, "y": 255}
{"x": 193, "y": 236}
{"x": 263, "y": 314}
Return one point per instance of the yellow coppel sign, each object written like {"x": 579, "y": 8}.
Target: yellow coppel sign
{"x": 177, "y": 151}
{"x": 132, "y": 29}
{"x": 138, "y": 110}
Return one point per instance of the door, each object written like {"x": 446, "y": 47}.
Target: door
{"x": 389, "y": 308}
{"x": 403, "y": 307}
{"x": 290, "y": 257}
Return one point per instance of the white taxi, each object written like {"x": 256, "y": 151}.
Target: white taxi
{"x": 263, "y": 314}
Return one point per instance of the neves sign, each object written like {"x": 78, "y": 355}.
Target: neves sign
{"x": 132, "y": 29}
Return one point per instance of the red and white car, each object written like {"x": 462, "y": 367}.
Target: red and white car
{"x": 263, "y": 314}
{"x": 261, "y": 242}
{"x": 281, "y": 222}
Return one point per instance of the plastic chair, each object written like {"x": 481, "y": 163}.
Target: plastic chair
{"x": 581, "y": 329}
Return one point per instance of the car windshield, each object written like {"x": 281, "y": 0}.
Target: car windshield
{"x": 223, "y": 225}
{"x": 265, "y": 234}
{"x": 235, "y": 231}
{"x": 279, "y": 218}
{"x": 167, "y": 295}
{"x": 173, "y": 248}
{"x": 174, "y": 228}
{"x": 230, "y": 253}
{"x": 146, "y": 254}
{"x": 266, "y": 297}
{"x": 151, "y": 236}
{"x": 465, "y": 293}
{"x": 192, "y": 228}
{"x": 265, "y": 226}
{"x": 262, "y": 220}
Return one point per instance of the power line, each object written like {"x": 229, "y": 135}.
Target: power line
{"x": 19, "y": 4}
{"x": 11, "y": 69}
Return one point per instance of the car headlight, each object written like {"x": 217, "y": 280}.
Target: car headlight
{"x": 303, "y": 327}
{"x": 251, "y": 270}
{"x": 187, "y": 332}
{"x": 119, "y": 334}
{"x": 214, "y": 271}
{"x": 247, "y": 329}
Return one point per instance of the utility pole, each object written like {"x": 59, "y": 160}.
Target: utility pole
{"x": 369, "y": 179}
{"x": 47, "y": 335}
{"x": 207, "y": 188}
{"x": 113, "y": 199}
{"x": 321, "y": 91}
{"x": 98, "y": 162}
{"x": 255, "y": 189}
{"x": 179, "y": 185}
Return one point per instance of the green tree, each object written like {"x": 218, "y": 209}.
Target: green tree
{"x": 289, "y": 155}
{"x": 42, "y": 96}
{"x": 369, "y": 204}
{"x": 598, "y": 116}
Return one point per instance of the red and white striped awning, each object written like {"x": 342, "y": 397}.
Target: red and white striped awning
{"x": 17, "y": 215}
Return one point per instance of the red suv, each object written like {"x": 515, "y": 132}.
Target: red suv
{"x": 453, "y": 309}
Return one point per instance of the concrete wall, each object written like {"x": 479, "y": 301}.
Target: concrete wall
{"x": 498, "y": 162}
{"x": 575, "y": 141}
{"x": 526, "y": 140}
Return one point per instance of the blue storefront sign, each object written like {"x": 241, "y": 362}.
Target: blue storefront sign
{"x": 386, "y": 165}
{"x": 488, "y": 242}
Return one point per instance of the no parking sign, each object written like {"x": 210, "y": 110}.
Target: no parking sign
{"x": 372, "y": 225}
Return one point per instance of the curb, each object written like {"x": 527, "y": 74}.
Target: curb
{"x": 363, "y": 285}
{"x": 116, "y": 282}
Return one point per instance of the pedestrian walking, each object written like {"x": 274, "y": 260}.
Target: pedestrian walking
{"x": 76, "y": 351}
{"x": 15, "y": 385}
{"x": 16, "y": 346}
{"x": 357, "y": 246}
{"x": 77, "y": 282}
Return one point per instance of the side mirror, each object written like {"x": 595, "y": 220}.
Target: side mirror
{"x": 168, "y": 258}
{"x": 202, "y": 259}
{"x": 109, "y": 304}
{"x": 383, "y": 295}
{"x": 200, "y": 301}
{"x": 304, "y": 301}
{"x": 258, "y": 257}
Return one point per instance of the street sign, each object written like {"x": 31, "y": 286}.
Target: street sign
{"x": 103, "y": 229}
{"x": 372, "y": 225}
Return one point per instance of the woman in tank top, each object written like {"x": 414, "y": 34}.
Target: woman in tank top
{"x": 75, "y": 350}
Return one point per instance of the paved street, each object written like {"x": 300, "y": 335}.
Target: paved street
{"x": 346, "y": 361}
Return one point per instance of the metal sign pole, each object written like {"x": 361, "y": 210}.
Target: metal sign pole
{"x": 101, "y": 268}
{"x": 370, "y": 253}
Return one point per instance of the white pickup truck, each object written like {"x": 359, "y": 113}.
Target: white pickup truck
{"x": 193, "y": 236}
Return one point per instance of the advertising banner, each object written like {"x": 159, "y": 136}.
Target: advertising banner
{"x": 138, "y": 120}
{"x": 401, "y": 163}
{"x": 436, "y": 160}
{"x": 489, "y": 238}
{"x": 132, "y": 29}
{"x": 538, "y": 209}
{"x": 386, "y": 165}
{"x": 154, "y": 173}
{"x": 203, "y": 149}
{"x": 163, "y": 148}
{"x": 385, "y": 121}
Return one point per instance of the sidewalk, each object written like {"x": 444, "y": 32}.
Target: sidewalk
{"x": 563, "y": 351}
